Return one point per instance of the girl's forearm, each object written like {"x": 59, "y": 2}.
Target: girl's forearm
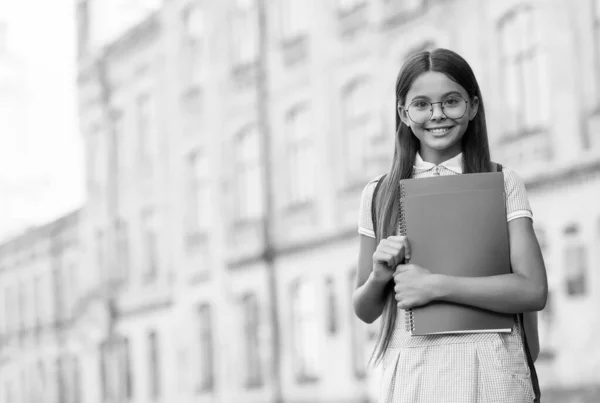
{"x": 369, "y": 299}
{"x": 508, "y": 293}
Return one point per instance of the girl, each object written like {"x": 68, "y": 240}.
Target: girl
{"x": 441, "y": 130}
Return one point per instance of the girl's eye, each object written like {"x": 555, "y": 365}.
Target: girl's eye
{"x": 421, "y": 104}
{"x": 451, "y": 101}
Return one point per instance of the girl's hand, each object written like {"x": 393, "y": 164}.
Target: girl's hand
{"x": 389, "y": 253}
{"x": 414, "y": 286}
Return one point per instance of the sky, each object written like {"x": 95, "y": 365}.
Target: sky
{"x": 41, "y": 163}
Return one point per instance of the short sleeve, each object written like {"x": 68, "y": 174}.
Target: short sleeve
{"x": 517, "y": 203}
{"x": 365, "y": 221}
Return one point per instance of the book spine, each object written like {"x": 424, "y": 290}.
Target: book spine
{"x": 409, "y": 319}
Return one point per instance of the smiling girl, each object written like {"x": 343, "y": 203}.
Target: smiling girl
{"x": 441, "y": 130}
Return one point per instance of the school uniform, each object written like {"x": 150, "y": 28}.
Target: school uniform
{"x": 462, "y": 368}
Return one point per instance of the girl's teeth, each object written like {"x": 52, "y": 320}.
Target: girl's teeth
{"x": 438, "y": 130}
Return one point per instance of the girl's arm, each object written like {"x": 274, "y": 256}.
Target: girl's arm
{"x": 368, "y": 298}
{"x": 524, "y": 290}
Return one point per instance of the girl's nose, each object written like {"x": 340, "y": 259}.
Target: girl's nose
{"x": 437, "y": 113}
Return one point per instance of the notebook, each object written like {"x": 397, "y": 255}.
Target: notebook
{"x": 456, "y": 225}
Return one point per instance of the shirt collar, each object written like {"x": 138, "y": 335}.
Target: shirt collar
{"x": 453, "y": 164}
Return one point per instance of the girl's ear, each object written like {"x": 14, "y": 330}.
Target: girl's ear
{"x": 473, "y": 107}
{"x": 403, "y": 115}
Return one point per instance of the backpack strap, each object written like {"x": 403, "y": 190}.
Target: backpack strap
{"x": 521, "y": 323}
{"x": 374, "y": 203}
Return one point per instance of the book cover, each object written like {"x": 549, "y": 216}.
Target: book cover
{"x": 456, "y": 225}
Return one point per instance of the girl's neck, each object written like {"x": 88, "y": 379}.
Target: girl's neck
{"x": 438, "y": 156}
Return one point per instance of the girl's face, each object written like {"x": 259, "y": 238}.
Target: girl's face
{"x": 440, "y": 136}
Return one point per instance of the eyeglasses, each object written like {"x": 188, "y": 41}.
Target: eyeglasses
{"x": 421, "y": 111}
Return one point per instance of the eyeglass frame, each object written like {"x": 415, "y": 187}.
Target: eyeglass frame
{"x": 431, "y": 110}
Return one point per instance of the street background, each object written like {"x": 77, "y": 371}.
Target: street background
{"x": 180, "y": 184}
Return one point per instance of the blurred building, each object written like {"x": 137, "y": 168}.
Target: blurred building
{"x": 214, "y": 273}
{"x": 39, "y": 274}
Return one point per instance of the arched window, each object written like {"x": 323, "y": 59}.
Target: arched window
{"x": 249, "y": 203}
{"x": 523, "y": 71}
{"x": 359, "y": 128}
{"x": 301, "y": 156}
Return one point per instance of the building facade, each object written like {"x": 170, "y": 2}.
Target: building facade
{"x": 39, "y": 282}
{"x": 225, "y": 164}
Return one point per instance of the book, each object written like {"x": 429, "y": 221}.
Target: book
{"x": 456, "y": 225}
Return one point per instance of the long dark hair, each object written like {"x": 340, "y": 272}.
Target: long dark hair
{"x": 475, "y": 148}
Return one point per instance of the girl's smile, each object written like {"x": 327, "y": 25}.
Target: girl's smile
{"x": 439, "y": 131}
{"x": 440, "y": 136}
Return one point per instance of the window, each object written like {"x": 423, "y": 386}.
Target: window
{"x": 346, "y": 6}
{"x": 154, "y": 366}
{"x": 97, "y": 164}
{"x": 596, "y": 16}
{"x": 116, "y": 376}
{"x": 83, "y": 27}
{"x": 250, "y": 312}
{"x": 523, "y": 72}
{"x": 295, "y": 18}
{"x": 358, "y": 335}
{"x": 332, "y": 309}
{"x": 150, "y": 242}
{"x": 199, "y": 206}
{"x": 194, "y": 43}
{"x": 360, "y": 134}
{"x": 71, "y": 378}
{"x": 206, "y": 375}
{"x": 100, "y": 263}
{"x": 575, "y": 262}
{"x": 305, "y": 331}
{"x": 61, "y": 378}
{"x": 37, "y": 306}
{"x": 406, "y": 6}
{"x": 145, "y": 140}
{"x": 249, "y": 200}
{"x": 120, "y": 152}
{"x": 301, "y": 158}
{"x": 122, "y": 249}
{"x": 245, "y": 32}
{"x": 22, "y": 306}
{"x": 9, "y": 313}
{"x": 59, "y": 297}
{"x": 576, "y": 265}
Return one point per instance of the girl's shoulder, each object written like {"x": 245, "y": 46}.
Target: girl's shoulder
{"x": 511, "y": 178}
{"x": 371, "y": 185}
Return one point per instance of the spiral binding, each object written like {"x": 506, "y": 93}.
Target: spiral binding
{"x": 409, "y": 319}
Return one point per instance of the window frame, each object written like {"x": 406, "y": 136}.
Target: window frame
{"x": 244, "y": 33}
{"x": 300, "y": 156}
{"x": 206, "y": 363}
{"x": 528, "y": 59}
{"x": 198, "y": 192}
{"x": 150, "y": 244}
{"x": 360, "y": 132}
{"x": 195, "y": 45}
{"x": 249, "y": 205}
{"x": 304, "y": 326}
{"x": 576, "y": 279}
{"x": 154, "y": 364}
{"x": 595, "y": 13}
{"x": 254, "y": 371}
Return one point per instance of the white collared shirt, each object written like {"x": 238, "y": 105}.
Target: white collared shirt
{"x": 517, "y": 203}
{"x": 454, "y": 164}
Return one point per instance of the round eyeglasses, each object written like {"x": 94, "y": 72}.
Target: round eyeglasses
{"x": 421, "y": 111}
